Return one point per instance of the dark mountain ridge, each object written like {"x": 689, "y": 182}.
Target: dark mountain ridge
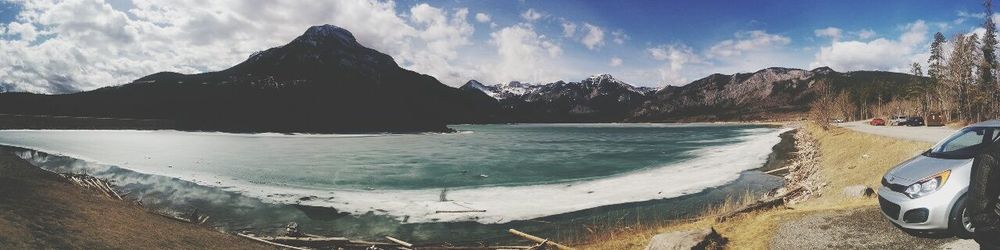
{"x": 322, "y": 81}
{"x": 769, "y": 94}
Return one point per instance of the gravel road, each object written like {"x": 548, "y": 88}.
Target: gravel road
{"x": 924, "y": 134}
{"x": 857, "y": 229}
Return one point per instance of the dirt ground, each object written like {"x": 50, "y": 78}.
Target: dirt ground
{"x": 857, "y": 229}
{"x": 38, "y": 210}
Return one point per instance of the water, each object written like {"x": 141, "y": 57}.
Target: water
{"x": 372, "y": 185}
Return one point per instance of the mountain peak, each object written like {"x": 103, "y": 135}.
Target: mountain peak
{"x": 823, "y": 70}
{"x": 326, "y": 33}
{"x": 602, "y": 77}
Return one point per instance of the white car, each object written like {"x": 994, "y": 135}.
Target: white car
{"x": 927, "y": 192}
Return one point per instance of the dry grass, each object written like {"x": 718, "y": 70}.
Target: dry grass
{"x": 847, "y": 158}
{"x": 636, "y": 236}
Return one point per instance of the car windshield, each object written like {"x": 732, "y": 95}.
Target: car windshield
{"x": 965, "y": 143}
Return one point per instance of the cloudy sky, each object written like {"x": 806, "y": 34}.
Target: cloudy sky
{"x": 67, "y": 46}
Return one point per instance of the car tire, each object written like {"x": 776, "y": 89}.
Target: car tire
{"x": 956, "y": 224}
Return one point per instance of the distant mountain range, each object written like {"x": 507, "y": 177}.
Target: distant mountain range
{"x": 325, "y": 81}
{"x": 768, "y": 94}
{"x": 599, "y": 98}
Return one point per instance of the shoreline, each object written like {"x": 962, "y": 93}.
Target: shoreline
{"x": 815, "y": 202}
{"x": 597, "y": 194}
{"x": 681, "y": 208}
{"x": 43, "y": 210}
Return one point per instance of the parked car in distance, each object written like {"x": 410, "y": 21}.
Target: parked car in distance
{"x": 895, "y": 120}
{"x": 877, "y": 122}
{"x": 935, "y": 119}
{"x": 927, "y": 192}
{"x": 913, "y": 121}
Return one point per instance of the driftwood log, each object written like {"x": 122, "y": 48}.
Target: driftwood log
{"x": 398, "y": 241}
{"x": 94, "y": 183}
{"x": 251, "y": 237}
{"x": 539, "y": 240}
{"x": 764, "y": 204}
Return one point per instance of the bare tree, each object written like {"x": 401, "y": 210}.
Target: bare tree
{"x": 821, "y": 111}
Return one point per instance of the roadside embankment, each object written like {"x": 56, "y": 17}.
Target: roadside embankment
{"x": 827, "y": 163}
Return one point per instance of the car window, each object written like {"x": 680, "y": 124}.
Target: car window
{"x": 965, "y": 143}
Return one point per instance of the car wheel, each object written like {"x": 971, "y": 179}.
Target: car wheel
{"x": 959, "y": 221}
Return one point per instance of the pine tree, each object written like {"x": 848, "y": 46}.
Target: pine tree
{"x": 936, "y": 71}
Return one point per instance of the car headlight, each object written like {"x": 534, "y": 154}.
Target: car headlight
{"x": 927, "y": 185}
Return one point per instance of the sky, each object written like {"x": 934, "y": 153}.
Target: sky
{"x": 76, "y": 45}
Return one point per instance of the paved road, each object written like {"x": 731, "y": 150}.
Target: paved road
{"x": 924, "y": 134}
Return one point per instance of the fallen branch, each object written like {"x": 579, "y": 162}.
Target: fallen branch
{"x": 268, "y": 242}
{"x": 540, "y": 240}
{"x": 398, "y": 241}
{"x": 757, "y": 206}
{"x": 776, "y": 170}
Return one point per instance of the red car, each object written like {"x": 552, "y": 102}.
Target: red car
{"x": 877, "y": 122}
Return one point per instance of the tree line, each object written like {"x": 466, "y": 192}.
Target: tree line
{"x": 961, "y": 83}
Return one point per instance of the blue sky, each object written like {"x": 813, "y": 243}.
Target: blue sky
{"x": 72, "y": 45}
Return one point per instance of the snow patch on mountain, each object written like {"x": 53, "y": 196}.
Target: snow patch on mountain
{"x": 600, "y": 84}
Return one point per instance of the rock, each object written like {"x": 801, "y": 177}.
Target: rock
{"x": 858, "y": 191}
{"x": 960, "y": 244}
{"x": 693, "y": 239}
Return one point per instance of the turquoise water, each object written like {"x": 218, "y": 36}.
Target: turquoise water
{"x": 381, "y": 183}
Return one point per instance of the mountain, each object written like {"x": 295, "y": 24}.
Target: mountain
{"x": 772, "y": 93}
{"x": 322, "y": 81}
{"x": 600, "y": 98}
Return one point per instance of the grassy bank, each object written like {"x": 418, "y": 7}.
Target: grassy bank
{"x": 846, "y": 158}
{"x": 40, "y": 210}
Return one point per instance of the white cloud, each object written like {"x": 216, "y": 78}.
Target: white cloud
{"x": 26, "y": 31}
{"x": 747, "y": 41}
{"x": 442, "y": 35}
{"x": 532, "y": 15}
{"x": 524, "y": 55}
{"x": 619, "y": 37}
{"x": 866, "y": 34}
{"x": 829, "y": 32}
{"x": 569, "y": 28}
{"x": 877, "y": 54}
{"x": 677, "y": 57}
{"x": 615, "y": 62}
{"x": 85, "y": 44}
{"x": 594, "y": 38}
{"x": 482, "y": 17}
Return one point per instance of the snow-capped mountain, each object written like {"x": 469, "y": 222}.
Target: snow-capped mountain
{"x": 597, "y": 98}
{"x": 501, "y": 91}
{"x": 603, "y": 84}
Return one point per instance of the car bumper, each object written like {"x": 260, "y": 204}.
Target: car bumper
{"x": 895, "y": 205}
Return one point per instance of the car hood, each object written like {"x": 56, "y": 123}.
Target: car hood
{"x": 920, "y": 167}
